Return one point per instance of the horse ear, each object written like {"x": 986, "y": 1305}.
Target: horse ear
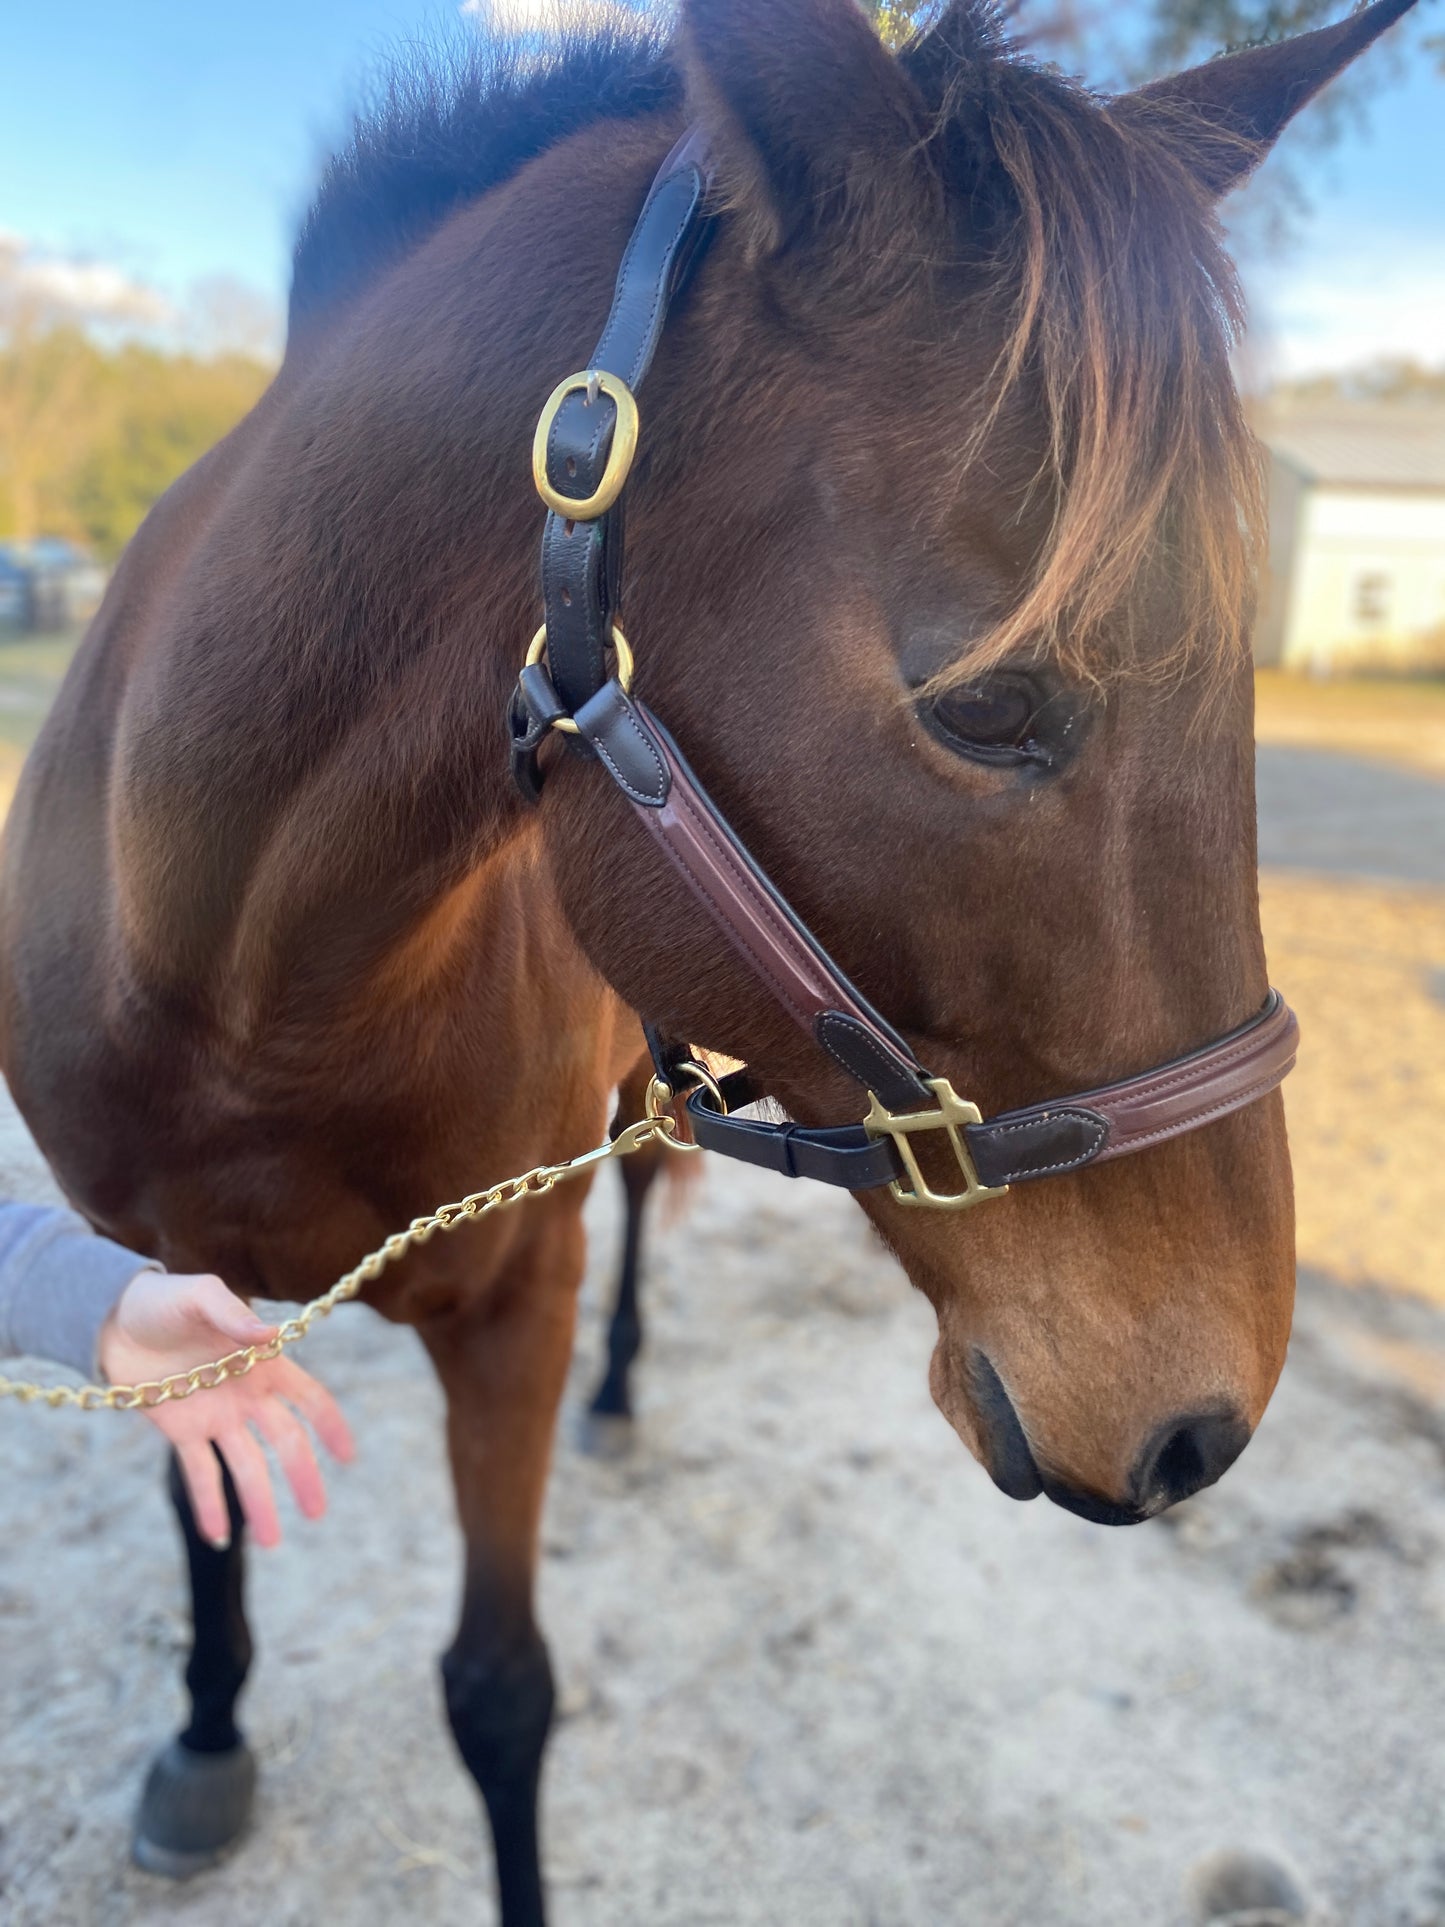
{"x": 1230, "y": 112}
{"x": 809, "y": 115}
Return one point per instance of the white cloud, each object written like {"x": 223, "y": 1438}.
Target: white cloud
{"x": 93, "y": 292}
{"x": 545, "y": 16}
{"x": 1352, "y": 298}
{"x": 218, "y": 315}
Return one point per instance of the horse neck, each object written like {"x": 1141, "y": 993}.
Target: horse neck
{"x": 328, "y": 677}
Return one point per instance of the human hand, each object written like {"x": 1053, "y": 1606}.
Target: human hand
{"x": 163, "y": 1324}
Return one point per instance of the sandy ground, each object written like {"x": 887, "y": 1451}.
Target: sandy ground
{"x": 814, "y": 1669}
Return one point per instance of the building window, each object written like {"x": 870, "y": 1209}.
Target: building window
{"x": 1372, "y": 597}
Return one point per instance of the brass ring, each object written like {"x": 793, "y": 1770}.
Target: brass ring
{"x": 619, "y": 456}
{"x": 626, "y": 667}
{"x": 699, "y": 1075}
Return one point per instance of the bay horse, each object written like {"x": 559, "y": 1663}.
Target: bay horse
{"x": 943, "y": 529}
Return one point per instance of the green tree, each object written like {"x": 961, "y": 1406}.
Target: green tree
{"x": 163, "y": 413}
{"x": 1139, "y": 39}
{"x": 94, "y": 425}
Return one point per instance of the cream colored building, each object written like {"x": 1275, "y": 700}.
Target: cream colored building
{"x": 1357, "y": 536}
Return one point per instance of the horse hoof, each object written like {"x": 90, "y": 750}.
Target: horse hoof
{"x": 194, "y": 1807}
{"x": 605, "y": 1435}
{"x": 1246, "y": 1890}
{"x": 611, "y": 1399}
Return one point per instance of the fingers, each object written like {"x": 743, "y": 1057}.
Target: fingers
{"x": 213, "y": 1300}
{"x": 288, "y": 1438}
{"x": 201, "y": 1471}
{"x": 316, "y": 1406}
{"x": 246, "y": 1463}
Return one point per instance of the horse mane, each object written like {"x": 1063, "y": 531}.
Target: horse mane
{"x": 1081, "y": 223}
{"x": 446, "y": 123}
{"x": 1119, "y": 305}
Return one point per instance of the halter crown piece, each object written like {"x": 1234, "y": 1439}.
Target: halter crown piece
{"x": 584, "y": 447}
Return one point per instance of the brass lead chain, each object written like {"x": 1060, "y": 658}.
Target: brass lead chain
{"x": 657, "y": 1127}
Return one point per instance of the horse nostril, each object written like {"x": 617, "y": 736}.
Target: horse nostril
{"x": 1010, "y": 1462}
{"x": 1186, "y": 1455}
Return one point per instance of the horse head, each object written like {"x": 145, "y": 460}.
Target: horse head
{"x": 941, "y": 568}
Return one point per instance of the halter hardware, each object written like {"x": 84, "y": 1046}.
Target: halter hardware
{"x": 591, "y": 382}
{"x": 952, "y": 1114}
{"x": 626, "y": 668}
{"x": 662, "y": 1094}
{"x": 566, "y": 685}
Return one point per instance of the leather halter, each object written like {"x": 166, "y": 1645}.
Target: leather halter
{"x": 582, "y": 453}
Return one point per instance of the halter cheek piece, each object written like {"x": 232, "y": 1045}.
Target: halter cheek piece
{"x": 583, "y": 451}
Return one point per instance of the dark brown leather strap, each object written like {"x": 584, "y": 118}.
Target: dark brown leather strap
{"x": 1043, "y": 1140}
{"x": 582, "y": 561}
{"x": 772, "y": 941}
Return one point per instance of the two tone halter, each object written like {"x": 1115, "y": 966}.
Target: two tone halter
{"x": 583, "y": 452}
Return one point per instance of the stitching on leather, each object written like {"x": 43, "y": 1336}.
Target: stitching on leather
{"x": 659, "y": 289}
{"x": 660, "y": 284}
{"x": 684, "y": 801}
{"x": 1271, "y": 1082}
{"x": 735, "y": 936}
{"x": 586, "y": 605}
{"x": 1101, "y": 1137}
{"x": 1152, "y": 1084}
{"x": 644, "y": 796}
{"x": 882, "y": 1057}
{"x": 764, "y": 968}
{"x": 738, "y": 869}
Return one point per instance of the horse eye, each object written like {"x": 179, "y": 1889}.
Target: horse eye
{"x": 994, "y": 715}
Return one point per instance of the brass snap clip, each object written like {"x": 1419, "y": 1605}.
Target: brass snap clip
{"x": 662, "y": 1097}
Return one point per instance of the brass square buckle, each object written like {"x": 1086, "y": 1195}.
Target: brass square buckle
{"x": 952, "y": 1114}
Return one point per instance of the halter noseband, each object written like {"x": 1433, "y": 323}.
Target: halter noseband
{"x": 581, "y": 457}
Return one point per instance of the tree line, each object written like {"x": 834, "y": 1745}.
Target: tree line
{"x": 94, "y": 425}
{"x": 91, "y": 435}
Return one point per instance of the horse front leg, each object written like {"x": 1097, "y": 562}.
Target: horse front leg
{"x": 199, "y": 1791}
{"x": 638, "y": 1174}
{"x": 503, "y": 1365}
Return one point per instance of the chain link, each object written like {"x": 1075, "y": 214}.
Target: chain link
{"x": 657, "y": 1127}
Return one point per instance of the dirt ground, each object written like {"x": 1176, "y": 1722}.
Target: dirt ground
{"x": 814, "y": 1668}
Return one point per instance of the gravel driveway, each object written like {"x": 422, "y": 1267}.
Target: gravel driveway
{"x": 814, "y": 1669}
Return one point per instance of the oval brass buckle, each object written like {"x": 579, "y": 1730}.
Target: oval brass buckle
{"x": 625, "y": 668}
{"x": 619, "y": 456}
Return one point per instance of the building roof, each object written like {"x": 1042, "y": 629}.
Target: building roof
{"x": 1361, "y": 444}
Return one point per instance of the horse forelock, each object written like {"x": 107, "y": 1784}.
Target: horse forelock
{"x": 1076, "y": 234}
{"x": 1117, "y": 305}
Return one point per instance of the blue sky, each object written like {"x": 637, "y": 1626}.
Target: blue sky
{"x": 172, "y": 141}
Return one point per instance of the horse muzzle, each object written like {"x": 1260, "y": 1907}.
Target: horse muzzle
{"x": 1181, "y": 1457}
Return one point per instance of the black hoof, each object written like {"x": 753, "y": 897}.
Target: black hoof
{"x": 195, "y": 1806}
{"x": 612, "y": 1399}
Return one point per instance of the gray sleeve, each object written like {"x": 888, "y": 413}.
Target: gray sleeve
{"x": 58, "y": 1282}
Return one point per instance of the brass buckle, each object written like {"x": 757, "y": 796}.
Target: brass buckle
{"x": 625, "y": 668}
{"x": 619, "y": 456}
{"x": 952, "y": 1114}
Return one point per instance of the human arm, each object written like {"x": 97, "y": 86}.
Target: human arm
{"x": 86, "y": 1302}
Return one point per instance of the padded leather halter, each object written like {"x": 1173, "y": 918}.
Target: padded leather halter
{"x": 583, "y": 449}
